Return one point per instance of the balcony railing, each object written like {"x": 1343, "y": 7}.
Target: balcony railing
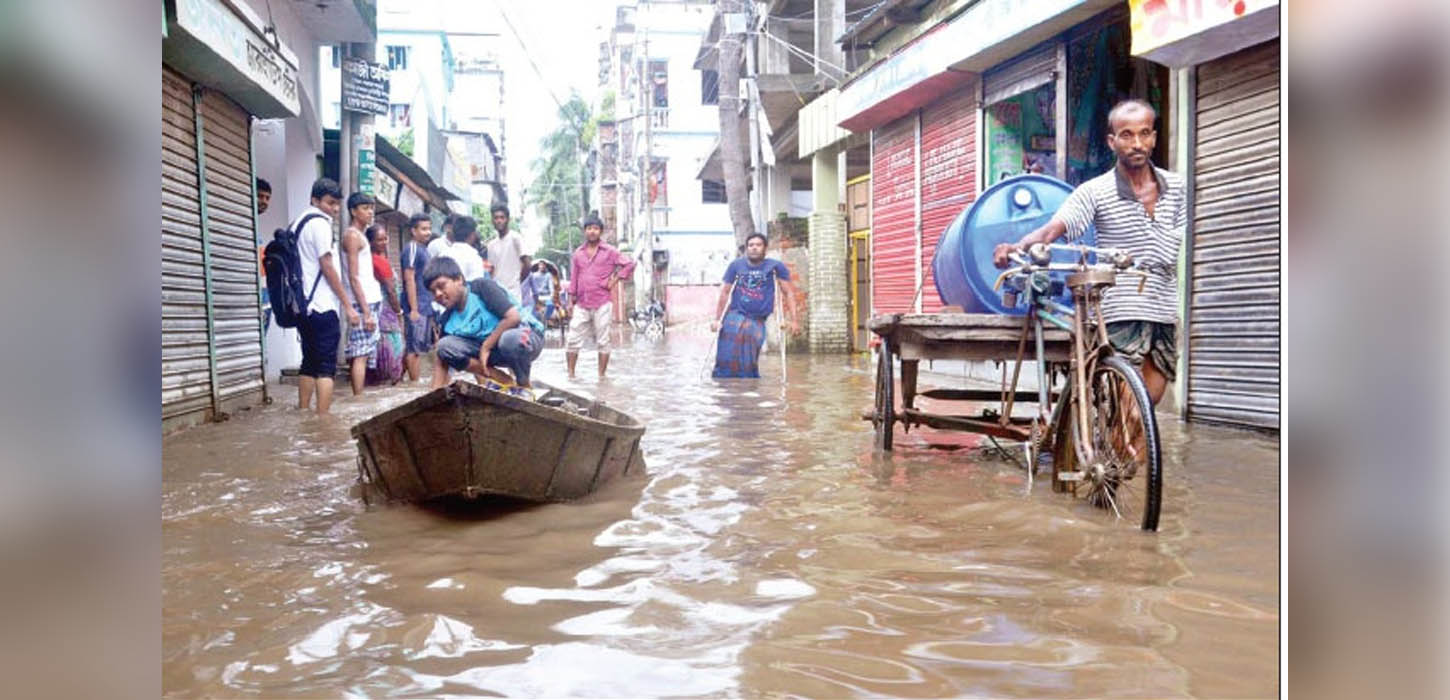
{"x": 660, "y": 216}
{"x": 660, "y": 118}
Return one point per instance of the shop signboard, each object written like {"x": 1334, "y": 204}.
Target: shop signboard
{"x": 925, "y": 69}
{"x": 387, "y": 190}
{"x": 1180, "y": 33}
{"x": 365, "y": 86}
{"x": 209, "y": 39}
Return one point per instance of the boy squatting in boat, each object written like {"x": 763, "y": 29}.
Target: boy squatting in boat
{"x": 483, "y": 329}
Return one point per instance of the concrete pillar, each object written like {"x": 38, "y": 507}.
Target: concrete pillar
{"x": 774, "y": 56}
{"x": 829, "y": 299}
{"x": 830, "y": 23}
{"x": 777, "y": 191}
{"x": 825, "y": 181}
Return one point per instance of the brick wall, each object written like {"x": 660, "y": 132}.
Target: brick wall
{"x": 829, "y": 298}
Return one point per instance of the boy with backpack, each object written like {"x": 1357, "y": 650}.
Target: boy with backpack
{"x": 484, "y": 328}
{"x": 297, "y": 261}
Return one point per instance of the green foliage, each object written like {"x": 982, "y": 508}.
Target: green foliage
{"x": 606, "y": 106}
{"x": 557, "y": 194}
{"x": 480, "y": 214}
{"x": 404, "y": 142}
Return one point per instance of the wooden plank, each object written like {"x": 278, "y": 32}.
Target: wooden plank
{"x": 979, "y": 350}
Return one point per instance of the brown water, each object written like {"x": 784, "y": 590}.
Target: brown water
{"x": 768, "y": 552}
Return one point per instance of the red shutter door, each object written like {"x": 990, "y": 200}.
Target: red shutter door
{"x": 948, "y": 175}
{"x": 893, "y": 212}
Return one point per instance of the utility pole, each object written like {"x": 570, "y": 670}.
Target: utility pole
{"x": 345, "y": 155}
{"x": 757, "y": 198}
{"x": 648, "y": 167}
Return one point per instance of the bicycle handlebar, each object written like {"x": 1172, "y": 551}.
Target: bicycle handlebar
{"x": 1039, "y": 258}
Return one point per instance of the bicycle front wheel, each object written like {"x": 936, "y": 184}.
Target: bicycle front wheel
{"x": 1124, "y": 474}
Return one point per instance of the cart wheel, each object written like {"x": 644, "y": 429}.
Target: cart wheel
{"x": 884, "y": 418}
{"x": 1123, "y": 434}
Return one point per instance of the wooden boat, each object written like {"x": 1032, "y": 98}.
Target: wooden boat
{"x": 464, "y": 440}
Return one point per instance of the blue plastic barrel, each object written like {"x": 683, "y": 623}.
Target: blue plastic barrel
{"x": 1006, "y": 212}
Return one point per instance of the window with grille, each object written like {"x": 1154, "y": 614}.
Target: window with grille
{"x": 397, "y": 58}
{"x": 712, "y": 192}
{"x": 709, "y": 87}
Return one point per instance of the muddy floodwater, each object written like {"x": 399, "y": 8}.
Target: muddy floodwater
{"x": 767, "y": 551}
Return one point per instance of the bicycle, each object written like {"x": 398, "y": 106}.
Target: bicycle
{"x": 649, "y": 321}
{"x": 1101, "y": 433}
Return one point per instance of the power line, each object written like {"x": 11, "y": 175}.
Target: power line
{"x": 527, "y": 55}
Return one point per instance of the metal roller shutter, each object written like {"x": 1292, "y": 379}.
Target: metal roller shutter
{"x": 234, "y": 276}
{"x": 893, "y": 217}
{"x": 948, "y": 175}
{"x": 1027, "y": 71}
{"x": 1233, "y": 325}
{"x": 185, "y": 375}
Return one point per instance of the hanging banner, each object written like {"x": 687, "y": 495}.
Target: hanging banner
{"x": 364, "y": 143}
{"x": 365, "y": 86}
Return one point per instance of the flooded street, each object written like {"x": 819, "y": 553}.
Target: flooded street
{"x": 767, "y": 552}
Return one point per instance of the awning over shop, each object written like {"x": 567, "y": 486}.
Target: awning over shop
{"x": 943, "y": 58}
{"x": 415, "y": 187}
{"x": 225, "y": 46}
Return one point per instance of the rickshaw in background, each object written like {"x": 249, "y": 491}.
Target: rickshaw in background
{"x": 552, "y": 307}
{"x": 1090, "y": 417}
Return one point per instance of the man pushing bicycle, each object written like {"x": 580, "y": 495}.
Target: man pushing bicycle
{"x": 1142, "y": 209}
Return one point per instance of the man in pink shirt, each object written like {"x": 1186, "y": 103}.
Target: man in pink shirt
{"x": 594, "y": 269}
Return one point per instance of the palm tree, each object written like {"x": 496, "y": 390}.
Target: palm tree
{"x": 561, "y": 178}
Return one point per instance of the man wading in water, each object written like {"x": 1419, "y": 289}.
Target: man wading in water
{"x": 1139, "y": 208}
{"x": 750, "y": 291}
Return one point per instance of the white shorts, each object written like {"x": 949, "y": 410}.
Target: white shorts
{"x": 590, "y": 327}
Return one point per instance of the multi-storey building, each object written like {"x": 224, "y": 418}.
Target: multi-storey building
{"x": 665, "y": 123}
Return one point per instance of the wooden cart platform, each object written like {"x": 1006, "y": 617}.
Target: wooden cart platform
{"x": 910, "y": 338}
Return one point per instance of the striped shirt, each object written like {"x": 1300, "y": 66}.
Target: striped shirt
{"x": 1107, "y": 203}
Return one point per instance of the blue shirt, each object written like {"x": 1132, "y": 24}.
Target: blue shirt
{"x": 754, "y": 293}
{"x": 415, "y": 257}
{"x": 485, "y": 306}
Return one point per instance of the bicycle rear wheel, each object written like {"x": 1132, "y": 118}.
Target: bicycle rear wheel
{"x": 1125, "y": 474}
{"x": 884, "y": 416}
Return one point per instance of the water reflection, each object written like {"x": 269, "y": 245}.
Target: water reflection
{"x": 768, "y": 550}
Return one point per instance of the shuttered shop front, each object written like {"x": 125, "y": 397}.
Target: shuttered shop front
{"x": 893, "y": 217}
{"x": 211, "y": 357}
{"x": 948, "y": 175}
{"x": 234, "y": 276}
{"x": 185, "y": 370}
{"x": 1234, "y": 322}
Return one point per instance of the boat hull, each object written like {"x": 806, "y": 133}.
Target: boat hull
{"x": 464, "y": 440}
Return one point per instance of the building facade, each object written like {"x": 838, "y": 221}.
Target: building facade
{"x": 955, "y": 96}
{"x": 666, "y": 121}
{"x": 238, "y": 98}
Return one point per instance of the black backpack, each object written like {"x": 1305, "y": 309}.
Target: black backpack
{"x": 283, "y": 266}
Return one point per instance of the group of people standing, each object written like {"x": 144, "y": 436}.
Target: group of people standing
{"x": 477, "y": 308}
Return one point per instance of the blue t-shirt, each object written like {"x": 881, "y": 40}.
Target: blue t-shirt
{"x": 485, "y": 307}
{"x": 754, "y": 293}
{"x": 415, "y": 257}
